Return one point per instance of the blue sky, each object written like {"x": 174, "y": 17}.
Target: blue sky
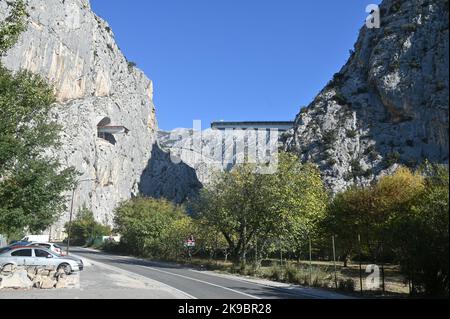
{"x": 234, "y": 60}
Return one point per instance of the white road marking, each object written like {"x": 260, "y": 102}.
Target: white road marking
{"x": 132, "y": 274}
{"x": 202, "y": 281}
{"x": 243, "y": 280}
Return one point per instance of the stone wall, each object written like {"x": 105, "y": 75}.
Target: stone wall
{"x": 12, "y": 277}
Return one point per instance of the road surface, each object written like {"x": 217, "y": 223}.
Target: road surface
{"x": 202, "y": 285}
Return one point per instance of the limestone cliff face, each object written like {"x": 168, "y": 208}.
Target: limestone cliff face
{"x": 388, "y": 104}
{"x": 75, "y": 50}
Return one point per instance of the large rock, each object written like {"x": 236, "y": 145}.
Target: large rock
{"x": 16, "y": 280}
{"x": 75, "y": 50}
{"x": 388, "y": 104}
{"x": 185, "y": 160}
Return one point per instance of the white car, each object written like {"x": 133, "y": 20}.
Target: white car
{"x": 38, "y": 256}
{"x": 50, "y": 246}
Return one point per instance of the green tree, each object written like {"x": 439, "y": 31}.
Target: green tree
{"x": 31, "y": 180}
{"x": 420, "y": 237}
{"x": 85, "y": 228}
{"x": 146, "y": 223}
{"x": 12, "y": 26}
{"x": 367, "y": 211}
{"x": 249, "y": 208}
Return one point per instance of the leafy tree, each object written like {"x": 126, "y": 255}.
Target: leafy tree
{"x": 85, "y": 228}
{"x": 12, "y": 26}
{"x": 421, "y": 237}
{"x": 31, "y": 180}
{"x": 367, "y": 211}
{"x": 145, "y": 224}
{"x": 247, "y": 207}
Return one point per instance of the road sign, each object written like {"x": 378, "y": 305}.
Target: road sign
{"x": 189, "y": 243}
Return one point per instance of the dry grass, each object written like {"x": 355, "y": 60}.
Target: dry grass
{"x": 322, "y": 274}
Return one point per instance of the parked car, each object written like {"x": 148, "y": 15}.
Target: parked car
{"x": 38, "y": 256}
{"x": 18, "y": 243}
{"x": 36, "y": 238}
{"x": 50, "y": 246}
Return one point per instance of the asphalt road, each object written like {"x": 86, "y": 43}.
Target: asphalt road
{"x": 194, "y": 284}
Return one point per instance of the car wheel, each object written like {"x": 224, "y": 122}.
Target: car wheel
{"x": 6, "y": 267}
{"x": 66, "y": 267}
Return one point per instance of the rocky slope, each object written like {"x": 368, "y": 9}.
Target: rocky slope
{"x": 75, "y": 50}
{"x": 389, "y": 103}
{"x": 185, "y": 160}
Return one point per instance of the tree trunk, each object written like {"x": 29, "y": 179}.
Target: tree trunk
{"x": 244, "y": 246}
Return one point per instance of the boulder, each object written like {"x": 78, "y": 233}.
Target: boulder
{"x": 17, "y": 280}
{"x": 48, "y": 283}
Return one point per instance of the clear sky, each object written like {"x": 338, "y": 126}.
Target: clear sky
{"x": 234, "y": 60}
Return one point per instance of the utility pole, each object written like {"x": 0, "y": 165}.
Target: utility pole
{"x": 71, "y": 212}
{"x": 334, "y": 262}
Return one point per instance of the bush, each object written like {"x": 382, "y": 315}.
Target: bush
{"x": 329, "y": 137}
{"x": 292, "y": 273}
{"x": 392, "y": 158}
{"x": 351, "y": 133}
{"x": 85, "y": 228}
{"x": 332, "y": 162}
{"x": 340, "y": 99}
{"x": 346, "y": 285}
{"x": 276, "y": 273}
{"x": 152, "y": 227}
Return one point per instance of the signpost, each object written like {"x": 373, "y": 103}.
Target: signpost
{"x": 189, "y": 244}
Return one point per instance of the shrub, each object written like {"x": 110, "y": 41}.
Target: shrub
{"x": 292, "y": 273}
{"x": 351, "y": 133}
{"x": 346, "y": 285}
{"x": 329, "y": 137}
{"x": 85, "y": 228}
{"x": 356, "y": 168}
{"x": 392, "y": 158}
{"x": 395, "y": 7}
{"x": 388, "y": 31}
{"x": 332, "y": 162}
{"x": 409, "y": 27}
{"x": 276, "y": 273}
{"x": 148, "y": 226}
{"x": 340, "y": 99}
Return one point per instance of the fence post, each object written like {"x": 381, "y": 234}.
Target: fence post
{"x": 334, "y": 262}
{"x": 360, "y": 264}
{"x": 383, "y": 286}
{"x": 310, "y": 262}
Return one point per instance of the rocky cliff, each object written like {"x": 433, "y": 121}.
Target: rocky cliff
{"x": 75, "y": 50}
{"x": 388, "y": 105}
